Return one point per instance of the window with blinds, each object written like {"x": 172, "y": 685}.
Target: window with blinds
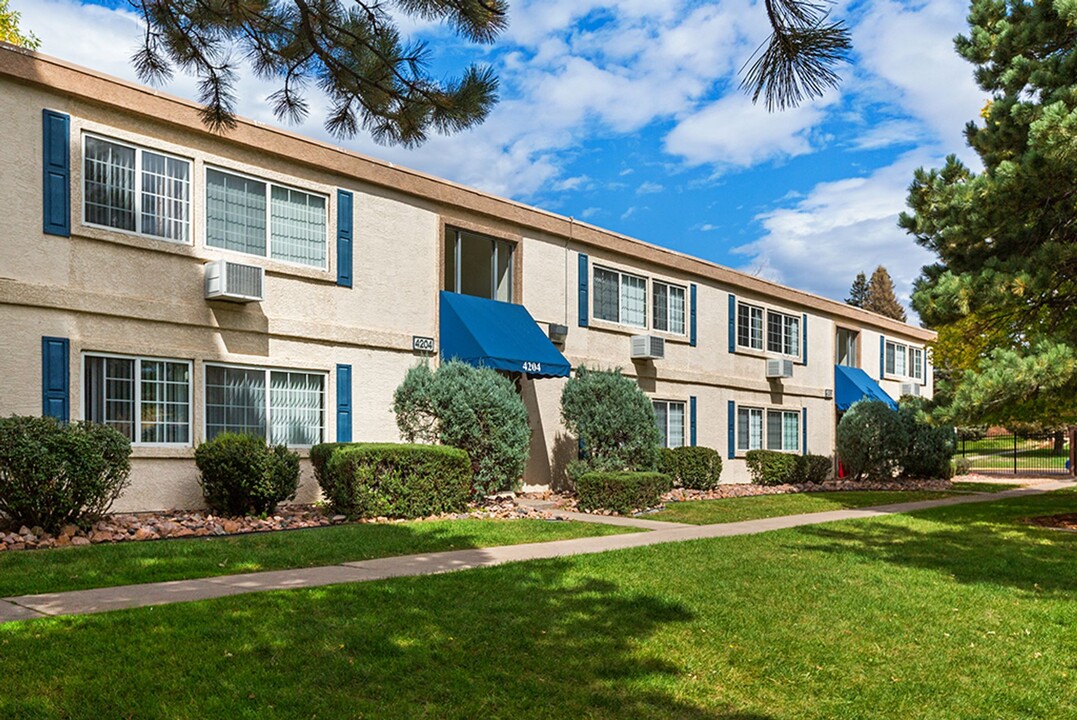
{"x": 129, "y": 188}
{"x": 670, "y": 416}
{"x": 668, "y": 302}
{"x": 749, "y": 326}
{"x": 620, "y": 297}
{"x": 148, "y": 400}
{"x": 260, "y": 218}
{"x": 283, "y": 406}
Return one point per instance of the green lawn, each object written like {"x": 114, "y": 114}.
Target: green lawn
{"x": 949, "y": 614}
{"x": 708, "y": 512}
{"x": 985, "y": 486}
{"x": 40, "y": 571}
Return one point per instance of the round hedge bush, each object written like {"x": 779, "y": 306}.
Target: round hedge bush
{"x": 695, "y": 468}
{"x": 53, "y": 474}
{"x": 241, "y": 475}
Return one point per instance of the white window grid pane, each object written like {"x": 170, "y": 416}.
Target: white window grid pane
{"x": 775, "y": 333}
{"x": 296, "y": 407}
{"x": 166, "y": 196}
{"x": 109, "y": 184}
{"x": 755, "y": 429}
{"x": 235, "y": 213}
{"x": 792, "y": 335}
{"x": 750, "y": 327}
{"x": 633, "y": 301}
{"x": 774, "y": 430}
{"x": 235, "y": 401}
{"x": 790, "y": 431}
{"x": 120, "y": 396}
{"x": 675, "y": 436}
{"x": 607, "y": 295}
{"x": 900, "y": 358}
{"x": 917, "y": 362}
{"x": 676, "y": 309}
{"x": 165, "y": 401}
{"x": 891, "y": 351}
{"x": 661, "y": 417}
{"x": 757, "y": 328}
{"x": 298, "y": 230}
{"x": 661, "y": 306}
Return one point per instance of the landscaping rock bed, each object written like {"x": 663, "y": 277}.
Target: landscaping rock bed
{"x": 132, "y": 527}
{"x": 733, "y": 490}
{"x": 1067, "y": 521}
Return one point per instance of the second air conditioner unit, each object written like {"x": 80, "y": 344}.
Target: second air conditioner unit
{"x": 234, "y": 282}
{"x": 648, "y": 347}
{"x": 910, "y": 389}
{"x": 779, "y": 368}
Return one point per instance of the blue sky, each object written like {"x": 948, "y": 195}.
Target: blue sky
{"x": 627, "y": 115}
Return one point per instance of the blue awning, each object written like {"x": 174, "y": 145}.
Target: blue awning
{"x": 497, "y": 335}
{"x": 853, "y": 384}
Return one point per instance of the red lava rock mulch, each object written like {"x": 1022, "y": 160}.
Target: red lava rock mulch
{"x": 131, "y": 527}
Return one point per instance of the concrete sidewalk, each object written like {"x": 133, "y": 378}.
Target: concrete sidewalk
{"x": 133, "y": 596}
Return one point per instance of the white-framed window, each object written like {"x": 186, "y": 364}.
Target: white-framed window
{"x": 283, "y": 406}
{"x": 783, "y": 333}
{"x": 620, "y": 297}
{"x": 127, "y": 187}
{"x": 258, "y": 217}
{"x": 783, "y": 430}
{"x": 897, "y": 355}
{"x": 668, "y": 303}
{"x": 148, "y": 400}
{"x": 749, "y": 326}
{"x": 749, "y": 429}
{"x": 670, "y": 416}
{"x": 916, "y": 363}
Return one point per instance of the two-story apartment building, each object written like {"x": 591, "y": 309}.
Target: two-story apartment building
{"x": 176, "y": 284}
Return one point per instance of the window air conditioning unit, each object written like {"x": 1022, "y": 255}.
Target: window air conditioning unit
{"x": 910, "y": 389}
{"x": 648, "y": 347}
{"x": 234, "y": 282}
{"x": 779, "y": 368}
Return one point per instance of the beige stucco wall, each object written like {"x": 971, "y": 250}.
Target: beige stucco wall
{"x": 115, "y": 292}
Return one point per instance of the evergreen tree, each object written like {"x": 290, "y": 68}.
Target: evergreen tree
{"x": 1005, "y": 283}
{"x": 858, "y": 293}
{"x": 880, "y": 297}
{"x": 9, "y": 29}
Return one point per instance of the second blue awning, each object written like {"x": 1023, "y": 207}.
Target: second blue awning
{"x": 497, "y": 335}
{"x": 853, "y": 384}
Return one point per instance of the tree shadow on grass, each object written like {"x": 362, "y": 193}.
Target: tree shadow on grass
{"x": 526, "y": 640}
{"x": 984, "y": 543}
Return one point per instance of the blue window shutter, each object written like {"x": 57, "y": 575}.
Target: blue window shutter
{"x": 692, "y": 328}
{"x": 732, "y": 429}
{"x": 692, "y": 420}
{"x": 344, "y": 403}
{"x": 344, "y": 238}
{"x": 804, "y": 431}
{"x": 56, "y": 194}
{"x": 55, "y": 383}
{"x": 804, "y": 340}
{"x": 882, "y": 357}
{"x": 584, "y": 303}
{"x": 732, "y": 324}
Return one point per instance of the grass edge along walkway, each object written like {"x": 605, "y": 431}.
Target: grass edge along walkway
{"x": 132, "y": 596}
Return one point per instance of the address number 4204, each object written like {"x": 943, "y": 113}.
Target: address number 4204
{"x": 532, "y": 367}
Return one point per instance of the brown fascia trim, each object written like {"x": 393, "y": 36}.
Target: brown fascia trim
{"x": 87, "y": 85}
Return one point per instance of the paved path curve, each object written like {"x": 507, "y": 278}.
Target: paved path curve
{"x": 80, "y": 602}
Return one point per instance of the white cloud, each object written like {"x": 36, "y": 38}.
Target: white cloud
{"x": 732, "y": 131}
{"x": 648, "y": 188}
{"x": 841, "y": 228}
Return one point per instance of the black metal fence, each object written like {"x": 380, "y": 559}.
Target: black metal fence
{"x": 1018, "y": 454}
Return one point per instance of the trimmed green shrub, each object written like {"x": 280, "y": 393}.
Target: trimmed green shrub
{"x": 812, "y": 469}
{"x": 872, "y": 440}
{"x": 962, "y": 466}
{"x": 397, "y": 480}
{"x": 319, "y": 458}
{"x": 241, "y": 475}
{"x": 622, "y": 492}
{"x": 53, "y": 474}
{"x": 613, "y": 419}
{"x": 695, "y": 468}
{"x": 474, "y": 409}
{"x": 770, "y": 467}
{"x": 930, "y": 446}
